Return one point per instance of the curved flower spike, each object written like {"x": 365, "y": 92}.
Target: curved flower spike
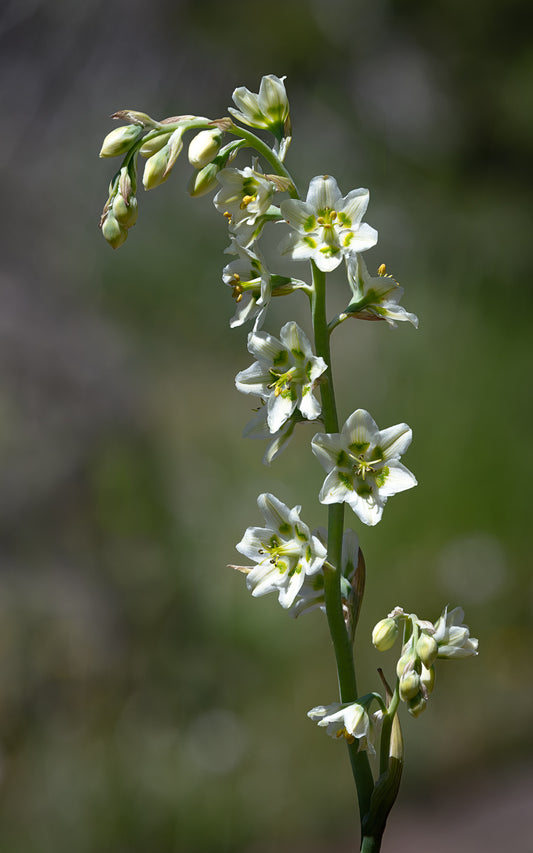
{"x": 285, "y": 551}
{"x": 363, "y": 465}
{"x": 326, "y": 226}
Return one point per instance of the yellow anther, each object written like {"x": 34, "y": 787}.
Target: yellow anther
{"x": 320, "y": 220}
{"x": 227, "y": 214}
{"x": 246, "y": 200}
{"x": 382, "y": 269}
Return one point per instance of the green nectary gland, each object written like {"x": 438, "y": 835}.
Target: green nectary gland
{"x": 354, "y": 468}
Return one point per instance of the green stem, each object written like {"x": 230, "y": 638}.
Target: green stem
{"x": 269, "y": 155}
{"x": 341, "y": 641}
{"x": 370, "y": 844}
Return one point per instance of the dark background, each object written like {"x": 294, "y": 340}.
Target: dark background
{"x": 146, "y": 702}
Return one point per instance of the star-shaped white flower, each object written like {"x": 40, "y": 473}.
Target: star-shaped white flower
{"x": 284, "y": 374}
{"x": 350, "y": 721}
{"x": 363, "y": 465}
{"x": 374, "y": 298}
{"x": 326, "y": 226}
{"x": 285, "y": 551}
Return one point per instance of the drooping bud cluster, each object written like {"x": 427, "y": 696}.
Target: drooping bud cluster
{"x": 161, "y": 144}
{"x": 424, "y": 642}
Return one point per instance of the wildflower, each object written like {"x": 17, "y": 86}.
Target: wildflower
{"x": 269, "y": 109}
{"x": 374, "y": 298}
{"x": 285, "y": 551}
{"x": 363, "y": 465}
{"x": 326, "y": 226}
{"x": 251, "y": 284}
{"x": 284, "y": 374}
{"x": 350, "y": 721}
{"x": 244, "y": 198}
{"x": 453, "y": 638}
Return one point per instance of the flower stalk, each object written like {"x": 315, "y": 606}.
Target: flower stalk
{"x": 293, "y": 385}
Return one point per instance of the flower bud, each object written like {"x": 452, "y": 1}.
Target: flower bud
{"x": 204, "y": 147}
{"x": 125, "y": 212}
{"x": 152, "y": 146}
{"x": 427, "y": 680}
{"x": 405, "y": 663}
{"x": 417, "y": 705}
{"x": 113, "y": 231}
{"x": 409, "y": 685}
{"x": 427, "y": 649}
{"x": 384, "y": 634}
{"x": 120, "y": 140}
{"x": 155, "y": 169}
{"x": 203, "y": 181}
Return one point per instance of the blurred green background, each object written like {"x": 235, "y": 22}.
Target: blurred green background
{"x": 146, "y": 702}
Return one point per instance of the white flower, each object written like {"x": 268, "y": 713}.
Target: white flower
{"x": 251, "y": 283}
{"x": 284, "y": 550}
{"x": 453, "y": 638}
{"x": 363, "y": 465}
{"x": 244, "y": 197}
{"x": 284, "y": 374}
{"x": 278, "y": 441}
{"x": 269, "y": 109}
{"x": 348, "y": 720}
{"x": 311, "y": 595}
{"x": 375, "y": 298}
{"x": 327, "y": 227}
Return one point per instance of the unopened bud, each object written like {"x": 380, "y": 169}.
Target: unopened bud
{"x": 152, "y": 146}
{"x": 384, "y": 634}
{"x": 427, "y": 649}
{"x": 427, "y": 680}
{"x": 120, "y": 140}
{"x": 203, "y": 181}
{"x": 417, "y": 705}
{"x": 125, "y": 212}
{"x": 405, "y": 663}
{"x": 155, "y": 169}
{"x": 113, "y": 231}
{"x": 204, "y": 147}
{"x": 409, "y": 685}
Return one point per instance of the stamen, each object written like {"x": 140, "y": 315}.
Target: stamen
{"x": 246, "y": 200}
{"x": 382, "y": 269}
